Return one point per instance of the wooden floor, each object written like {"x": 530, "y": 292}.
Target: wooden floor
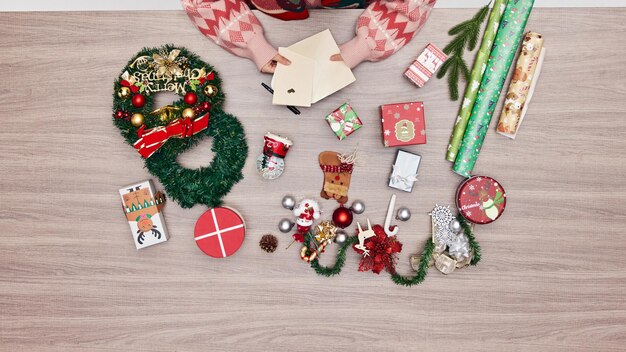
{"x": 553, "y": 274}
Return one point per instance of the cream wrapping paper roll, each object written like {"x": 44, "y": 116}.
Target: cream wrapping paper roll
{"x": 524, "y": 80}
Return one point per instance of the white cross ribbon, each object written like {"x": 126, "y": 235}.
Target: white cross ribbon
{"x": 407, "y": 180}
{"x": 218, "y": 232}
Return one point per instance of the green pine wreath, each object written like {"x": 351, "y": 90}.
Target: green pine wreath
{"x": 177, "y": 70}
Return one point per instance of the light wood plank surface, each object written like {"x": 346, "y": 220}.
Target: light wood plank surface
{"x": 552, "y": 276}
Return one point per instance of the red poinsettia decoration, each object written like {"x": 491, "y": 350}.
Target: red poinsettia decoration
{"x": 382, "y": 251}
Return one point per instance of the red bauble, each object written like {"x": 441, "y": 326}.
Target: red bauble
{"x": 342, "y": 217}
{"x": 138, "y": 101}
{"x": 190, "y": 98}
{"x": 206, "y": 106}
{"x": 119, "y": 114}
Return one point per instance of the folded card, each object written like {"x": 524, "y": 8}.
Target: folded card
{"x": 293, "y": 84}
{"x": 310, "y": 65}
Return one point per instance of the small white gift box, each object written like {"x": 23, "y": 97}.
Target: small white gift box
{"x": 404, "y": 171}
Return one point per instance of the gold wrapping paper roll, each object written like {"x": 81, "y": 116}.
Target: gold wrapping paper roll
{"x": 520, "y": 90}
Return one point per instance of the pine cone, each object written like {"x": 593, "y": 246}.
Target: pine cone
{"x": 268, "y": 243}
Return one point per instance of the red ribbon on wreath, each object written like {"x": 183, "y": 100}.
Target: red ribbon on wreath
{"x": 151, "y": 140}
{"x": 133, "y": 88}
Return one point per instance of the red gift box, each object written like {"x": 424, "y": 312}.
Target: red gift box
{"x": 220, "y": 232}
{"x": 403, "y": 124}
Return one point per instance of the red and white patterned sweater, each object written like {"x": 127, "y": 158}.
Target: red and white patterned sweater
{"x": 382, "y": 29}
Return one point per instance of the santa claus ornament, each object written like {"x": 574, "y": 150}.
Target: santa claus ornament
{"x": 307, "y": 211}
{"x": 219, "y": 232}
{"x": 271, "y": 163}
{"x": 481, "y": 199}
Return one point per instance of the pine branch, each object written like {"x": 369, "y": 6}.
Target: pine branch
{"x": 474, "y": 246}
{"x": 453, "y": 83}
{"x": 474, "y": 31}
{"x": 456, "y": 46}
{"x": 467, "y": 33}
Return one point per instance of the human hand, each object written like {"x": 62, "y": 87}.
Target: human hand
{"x": 336, "y": 57}
{"x": 270, "y": 67}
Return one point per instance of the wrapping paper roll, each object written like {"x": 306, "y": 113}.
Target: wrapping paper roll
{"x": 480, "y": 63}
{"x": 504, "y": 49}
{"x": 525, "y": 76}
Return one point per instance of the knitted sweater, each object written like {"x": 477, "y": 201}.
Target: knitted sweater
{"x": 382, "y": 29}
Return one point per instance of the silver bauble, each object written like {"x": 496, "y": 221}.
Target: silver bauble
{"x": 285, "y": 225}
{"x": 455, "y": 226}
{"x": 403, "y": 214}
{"x": 340, "y": 237}
{"x": 358, "y": 207}
{"x": 289, "y": 202}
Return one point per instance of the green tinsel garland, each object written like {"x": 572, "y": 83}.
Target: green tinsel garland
{"x": 474, "y": 246}
{"x": 398, "y": 279}
{"x": 205, "y": 185}
{"x": 329, "y": 271}
{"x": 427, "y": 254}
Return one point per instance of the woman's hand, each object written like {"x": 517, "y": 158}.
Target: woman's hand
{"x": 270, "y": 67}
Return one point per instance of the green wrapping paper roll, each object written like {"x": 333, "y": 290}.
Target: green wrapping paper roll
{"x": 476, "y": 77}
{"x": 504, "y": 49}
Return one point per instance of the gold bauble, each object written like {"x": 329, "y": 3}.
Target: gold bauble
{"x": 137, "y": 119}
{"x": 124, "y": 93}
{"x": 188, "y": 113}
{"x": 210, "y": 90}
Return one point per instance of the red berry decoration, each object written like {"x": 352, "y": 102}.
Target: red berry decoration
{"x": 119, "y": 114}
{"x": 190, "y": 98}
{"x": 138, "y": 101}
{"x": 342, "y": 217}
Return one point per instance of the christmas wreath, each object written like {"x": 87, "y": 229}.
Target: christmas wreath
{"x": 161, "y": 134}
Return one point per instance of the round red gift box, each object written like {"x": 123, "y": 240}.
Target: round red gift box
{"x": 219, "y": 232}
{"x": 481, "y": 199}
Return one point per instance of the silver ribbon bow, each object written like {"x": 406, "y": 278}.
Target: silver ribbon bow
{"x": 407, "y": 180}
{"x": 459, "y": 247}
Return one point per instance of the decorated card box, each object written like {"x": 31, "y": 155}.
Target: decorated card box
{"x": 142, "y": 206}
{"x": 403, "y": 124}
{"x": 344, "y": 121}
{"x": 426, "y": 64}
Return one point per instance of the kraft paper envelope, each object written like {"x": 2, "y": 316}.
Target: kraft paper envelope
{"x": 329, "y": 76}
